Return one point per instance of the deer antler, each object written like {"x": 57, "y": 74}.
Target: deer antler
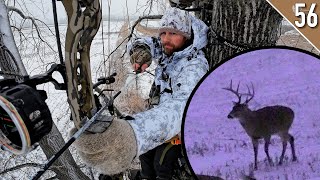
{"x": 235, "y": 92}
{"x": 249, "y": 94}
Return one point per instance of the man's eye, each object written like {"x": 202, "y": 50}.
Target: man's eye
{"x": 172, "y": 33}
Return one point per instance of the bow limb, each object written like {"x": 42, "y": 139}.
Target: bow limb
{"x": 82, "y": 27}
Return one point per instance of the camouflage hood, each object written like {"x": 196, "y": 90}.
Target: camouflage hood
{"x": 199, "y": 29}
{"x": 191, "y": 52}
{"x": 177, "y": 76}
{"x": 177, "y": 21}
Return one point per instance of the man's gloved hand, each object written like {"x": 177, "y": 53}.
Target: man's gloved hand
{"x": 140, "y": 57}
{"x": 111, "y": 151}
{"x": 140, "y": 68}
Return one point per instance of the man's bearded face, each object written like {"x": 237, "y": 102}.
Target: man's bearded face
{"x": 172, "y": 42}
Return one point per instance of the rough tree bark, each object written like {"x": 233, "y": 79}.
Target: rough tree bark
{"x": 242, "y": 23}
{"x": 65, "y": 167}
{"x": 245, "y": 23}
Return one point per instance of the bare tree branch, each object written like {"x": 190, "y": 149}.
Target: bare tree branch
{"x": 131, "y": 33}
{"x": 142, "y": 18}
{"x": 34, "y": 23}
{"x": 20, "y": 166}
{"x": 14, "y": 9}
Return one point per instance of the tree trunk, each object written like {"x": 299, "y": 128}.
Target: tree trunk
{"x": 239, "y": 24}
{"x": 65, "y": 167}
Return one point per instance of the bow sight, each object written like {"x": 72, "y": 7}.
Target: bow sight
{"x": 24, "y": 116}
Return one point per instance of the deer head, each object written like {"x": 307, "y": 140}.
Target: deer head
{"x": 240, "y": 108}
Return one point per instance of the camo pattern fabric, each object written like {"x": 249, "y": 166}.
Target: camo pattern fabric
{"x": 177, "y": 21}
{"x": 141, "y": 55}
{"x": 82, "y": 28}
{"x": 177, "y": 76}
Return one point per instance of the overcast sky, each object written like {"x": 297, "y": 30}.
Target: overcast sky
{"x": 42, "y": 9}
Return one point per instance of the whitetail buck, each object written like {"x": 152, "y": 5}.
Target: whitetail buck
{"x": 263, "y": 123}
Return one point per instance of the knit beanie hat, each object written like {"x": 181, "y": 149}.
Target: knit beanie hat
{"x": 177, "y": 21}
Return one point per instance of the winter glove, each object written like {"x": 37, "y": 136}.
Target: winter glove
{"x": 110, "y": 152}
{"x": 140, "y": 57}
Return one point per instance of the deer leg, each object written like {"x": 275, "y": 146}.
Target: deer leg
{"x": 284, "y": 147}
{"x": 266, "y": 148}
{"x": 291, "y": 140}
{"x": 255, "y": 149}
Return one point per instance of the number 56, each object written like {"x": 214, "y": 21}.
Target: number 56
{"x": 312, "y": 18}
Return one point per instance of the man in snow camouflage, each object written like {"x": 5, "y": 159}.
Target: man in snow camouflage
{"x": 174, "y": 46}
{"x": 180, "y": 65}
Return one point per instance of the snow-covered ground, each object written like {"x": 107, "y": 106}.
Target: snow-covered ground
{"x": 219, "y": 146}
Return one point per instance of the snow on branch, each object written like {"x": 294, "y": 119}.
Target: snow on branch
{"x": 39, "y": 38}
{"x": 33, "y": 20}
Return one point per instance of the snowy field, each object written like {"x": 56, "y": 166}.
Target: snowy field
{"x": 218, "y": 146}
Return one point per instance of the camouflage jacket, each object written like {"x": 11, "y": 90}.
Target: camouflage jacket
{"x": 176, "y": 76}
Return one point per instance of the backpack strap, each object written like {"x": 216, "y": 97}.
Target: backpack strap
{"x": 164, "y": 152}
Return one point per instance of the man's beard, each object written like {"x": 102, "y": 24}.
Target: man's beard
{"x": 170, "y": 49}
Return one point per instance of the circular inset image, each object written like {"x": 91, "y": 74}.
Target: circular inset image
{"x": 256, "y": 116}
